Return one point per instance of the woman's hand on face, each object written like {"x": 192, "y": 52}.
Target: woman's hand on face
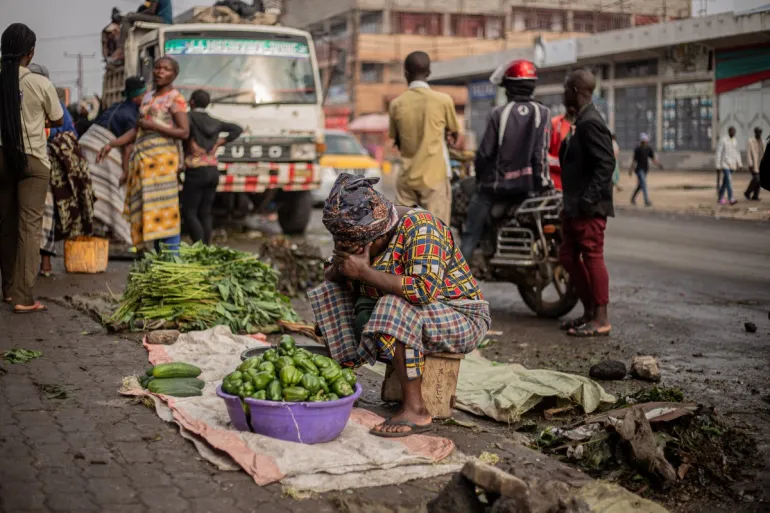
{"x": 353, "y": 265}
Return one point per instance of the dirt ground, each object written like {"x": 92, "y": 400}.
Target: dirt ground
{"x": 681, "y": 290}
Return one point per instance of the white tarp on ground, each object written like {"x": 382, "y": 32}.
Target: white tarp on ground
{"x": 355, "y": 459}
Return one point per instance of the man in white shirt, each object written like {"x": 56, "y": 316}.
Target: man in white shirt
{"x": 728, "y": 161}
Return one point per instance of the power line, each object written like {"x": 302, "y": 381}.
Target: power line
{"x": 72, "y": 36}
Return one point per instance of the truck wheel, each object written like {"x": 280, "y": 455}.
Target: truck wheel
{"x": 294, "y": 212}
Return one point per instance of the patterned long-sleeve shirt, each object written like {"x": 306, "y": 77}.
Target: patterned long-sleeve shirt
{"x": 432, "y": 267}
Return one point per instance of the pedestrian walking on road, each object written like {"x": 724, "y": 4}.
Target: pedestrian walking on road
{"x": 152, "y": 183}
{"x": 643, "y": 154}
{"x": 728, "y": 161}
{"x": 201, "y": 176}
{"x": 587, "y": 163}
{"x": 754, "y": 153}
{"x": 421, "y": 123}
{"x": 28, "y": 102}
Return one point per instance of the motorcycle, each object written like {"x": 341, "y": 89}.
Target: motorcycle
{"x": 520, "y": 244}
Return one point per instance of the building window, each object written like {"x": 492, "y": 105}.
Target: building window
{"x": 583, "y": 22}
{"x": 494, "y": 28}
{"x": 544, "y": 20}
{"x": 423, "y": 24}
{"x": 371, "y": 73}
{"x": 371, "y": 23}
{"x": 646, "y": 68}
{"x": 396, "y": 72}
{"x": 609, "y": 22}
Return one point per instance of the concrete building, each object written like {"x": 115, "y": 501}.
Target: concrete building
{"x": 683, "y": 82}
{"x": 361, "y": 44}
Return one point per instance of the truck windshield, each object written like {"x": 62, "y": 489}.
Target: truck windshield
{"x": 245, "y": 71}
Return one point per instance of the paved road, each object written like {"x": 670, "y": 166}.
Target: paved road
{"x": 679, "y": 287}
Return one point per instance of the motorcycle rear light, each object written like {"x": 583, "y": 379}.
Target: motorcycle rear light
{"x": 549, "y": 229}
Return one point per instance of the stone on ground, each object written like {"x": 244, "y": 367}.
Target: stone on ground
{"x": 646, "y": 368}
{"x": 608, "y": 370}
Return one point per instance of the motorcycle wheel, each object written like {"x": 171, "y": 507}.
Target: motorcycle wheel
{"x": 567, "y": 299}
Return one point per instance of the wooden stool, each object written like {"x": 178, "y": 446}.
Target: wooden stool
{"x": 439, "y": 383}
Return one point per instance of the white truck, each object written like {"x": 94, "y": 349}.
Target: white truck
{"x": 264, "y": 78}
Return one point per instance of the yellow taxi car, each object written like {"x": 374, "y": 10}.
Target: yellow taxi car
{"x": 344, "y": 154}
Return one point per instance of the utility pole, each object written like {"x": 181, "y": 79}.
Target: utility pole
{"x": 80, "y": 56}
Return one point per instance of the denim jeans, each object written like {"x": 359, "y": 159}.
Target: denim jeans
{"x": 478, "y": 210}
{"x": 171, "y": 243}
{"x": 641, "y": 176}
{"x": 727, "y": 185}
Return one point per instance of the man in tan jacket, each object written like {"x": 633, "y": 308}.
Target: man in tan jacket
{"x": 421, "y": 122}
{"x": 755, "y": 150}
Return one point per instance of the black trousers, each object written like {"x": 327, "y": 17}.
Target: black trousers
{"x": 197, "y": 197}
{"x": 754, "y": 187}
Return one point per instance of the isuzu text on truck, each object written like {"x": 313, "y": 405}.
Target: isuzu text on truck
{"x": 264, "y": 78}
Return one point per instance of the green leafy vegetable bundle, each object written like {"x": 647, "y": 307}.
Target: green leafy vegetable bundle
{"x": 201, "y": 287}
{"x": 290, "y": 374}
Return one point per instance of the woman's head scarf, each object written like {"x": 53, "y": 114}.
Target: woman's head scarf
{"x": 355, "y": 213}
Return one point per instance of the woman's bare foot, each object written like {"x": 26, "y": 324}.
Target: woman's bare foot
{"x": 46, "y": 269}
{"x": 399, "y": 423}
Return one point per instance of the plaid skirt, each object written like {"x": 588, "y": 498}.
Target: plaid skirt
{"x": 438, "y": 327}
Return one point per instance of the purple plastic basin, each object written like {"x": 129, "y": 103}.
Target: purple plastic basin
{"x": 307, "y": 423}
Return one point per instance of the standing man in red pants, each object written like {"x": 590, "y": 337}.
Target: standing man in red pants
{"x": 587, "y": 164}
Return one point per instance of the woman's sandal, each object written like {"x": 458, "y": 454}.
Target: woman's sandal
{"x": 587, "y": 331}
{"x": 37, "y": 307}
{"x": 573, "y": 324}
{"x": 414, "y": 429}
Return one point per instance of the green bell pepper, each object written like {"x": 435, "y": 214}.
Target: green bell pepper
{"x": 322, "y": 362}
{"x": 259, "y": 394}
{"x": 324, "y": 384}
{"x": 342, "y": 388}
{"x": 331, "y": 374}
{"x": 332, "y": 397}
{"x": 295, "y": 394}
{"x": 349, "y": 376}
{"x": 311, "y": 383}
{"x": 246, "y": 409}
{"x": 289, "y": 376}
{"x": 246, "y": 389}
{"x": 267, "y": 367}
{"x": 250, "y": 363}
{"x": 231, "y": 387}
{"x": 271, "y": 355}
{"x": 287, "y": 342}
{"x": 274, "y": 391}
{"x": 318, "y": 397}
{"x": 261, "y": 380}
{"x": 284, "y": 361}
{"x": 234, "y": 376}
{"x": 307, "y": 367}
{"x": 301, "y": 351}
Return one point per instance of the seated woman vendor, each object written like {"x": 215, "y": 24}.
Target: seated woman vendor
{"x": 397, "y": 287}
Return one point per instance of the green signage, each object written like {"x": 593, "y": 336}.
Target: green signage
{"x": 237, "y": 47}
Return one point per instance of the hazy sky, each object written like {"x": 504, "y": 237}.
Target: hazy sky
{"x": 72, "y": 26}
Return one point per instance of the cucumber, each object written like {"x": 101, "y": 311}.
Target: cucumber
{"x": 172, "y": 388}
{"x": 190, "y": 382}
{"x": 149, "y": 371}
{"x": 176, "y": 370}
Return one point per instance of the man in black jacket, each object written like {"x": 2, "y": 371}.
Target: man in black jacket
{"x": 587, "y": 163}
{"x": 201, "y": 176}
{"x": 511, "y": 161}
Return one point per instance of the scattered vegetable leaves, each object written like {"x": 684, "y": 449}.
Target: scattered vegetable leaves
{"x": 21, "y": 355}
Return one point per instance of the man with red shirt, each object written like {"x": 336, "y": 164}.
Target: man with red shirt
{"x": 560, "y": 129}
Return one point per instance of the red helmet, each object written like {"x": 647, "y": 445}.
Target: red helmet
{"x": 520, "y": 69}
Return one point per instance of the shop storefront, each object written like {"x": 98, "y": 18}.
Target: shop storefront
{"x": 688, "y": 112}
{"x": 635, "y": 109}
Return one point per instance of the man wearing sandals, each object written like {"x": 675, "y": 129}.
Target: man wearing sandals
{"x": 587, "y": 163}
